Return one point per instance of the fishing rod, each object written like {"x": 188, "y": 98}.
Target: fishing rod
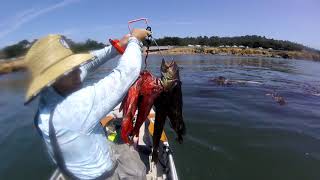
{"x": 149, "y": 39}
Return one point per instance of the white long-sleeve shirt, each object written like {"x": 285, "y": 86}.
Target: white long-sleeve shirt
{"x": 83, "y": 144}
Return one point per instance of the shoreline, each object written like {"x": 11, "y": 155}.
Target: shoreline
{"x": 245, "y": 52}
{"x": 8, "y": 66}
{"x": 18, "y": 64}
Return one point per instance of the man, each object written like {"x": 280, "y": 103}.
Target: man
{"x": 68, "y": 115}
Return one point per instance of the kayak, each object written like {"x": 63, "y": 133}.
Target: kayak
{"x": 164, "y": 169}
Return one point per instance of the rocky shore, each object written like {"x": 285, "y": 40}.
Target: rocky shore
{"x": 306, "y": 55}
{"x": 7, "y": 66}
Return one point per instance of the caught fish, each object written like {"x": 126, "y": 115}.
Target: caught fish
{"x": 151, "y": 88}
{"x": 168, "y": 104}
{"x": 141, "y": 96}
{"x": 129, "y": 106}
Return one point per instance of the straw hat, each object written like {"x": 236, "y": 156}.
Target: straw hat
{"x": 47, "y": 60}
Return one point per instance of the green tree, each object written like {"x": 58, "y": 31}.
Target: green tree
{"x": 17, "y": 49}
{"x": 250, "y": 41}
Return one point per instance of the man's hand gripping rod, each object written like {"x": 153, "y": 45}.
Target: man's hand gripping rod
{"x": 116, "y": 45}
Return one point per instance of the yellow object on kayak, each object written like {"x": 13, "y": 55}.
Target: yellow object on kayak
{"x": 112, "y": 136}
{"x": 151, "y": 131}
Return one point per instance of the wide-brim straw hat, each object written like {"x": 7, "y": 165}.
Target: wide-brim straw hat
{"x": 49, "y": 59}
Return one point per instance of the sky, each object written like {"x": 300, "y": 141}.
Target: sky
{"x": 293, "y": 20}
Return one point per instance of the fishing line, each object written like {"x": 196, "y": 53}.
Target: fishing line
{"x": 155, "y": 42}
{"x": 149, "y": 39}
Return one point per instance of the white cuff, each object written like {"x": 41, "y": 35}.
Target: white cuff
{"x": 135, "y": 40}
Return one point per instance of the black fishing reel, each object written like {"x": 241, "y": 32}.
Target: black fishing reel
{"x": 148, "y": 39}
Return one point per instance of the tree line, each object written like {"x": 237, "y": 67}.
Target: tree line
{"x": 253, "y": 41}
{"x": 21, "y": 48}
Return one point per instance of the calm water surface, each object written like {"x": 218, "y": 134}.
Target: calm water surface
{"x": 233, "y": 132}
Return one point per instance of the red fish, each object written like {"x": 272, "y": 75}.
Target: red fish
{"x": 141, "y": 96}
{"x": 150, "y": 89}
{"x": 129, "y": 106}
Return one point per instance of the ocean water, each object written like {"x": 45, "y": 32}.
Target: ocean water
{"x": 233, "y": 132}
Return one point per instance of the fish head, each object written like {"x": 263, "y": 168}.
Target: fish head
{"x": 169, "y": 75}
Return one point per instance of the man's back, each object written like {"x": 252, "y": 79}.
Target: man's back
{"x": 87, "y": 154}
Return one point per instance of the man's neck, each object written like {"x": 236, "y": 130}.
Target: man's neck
{"x": 62, "y": 92}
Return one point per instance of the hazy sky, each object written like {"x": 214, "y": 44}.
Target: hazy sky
{"x": 294, "y": 20}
